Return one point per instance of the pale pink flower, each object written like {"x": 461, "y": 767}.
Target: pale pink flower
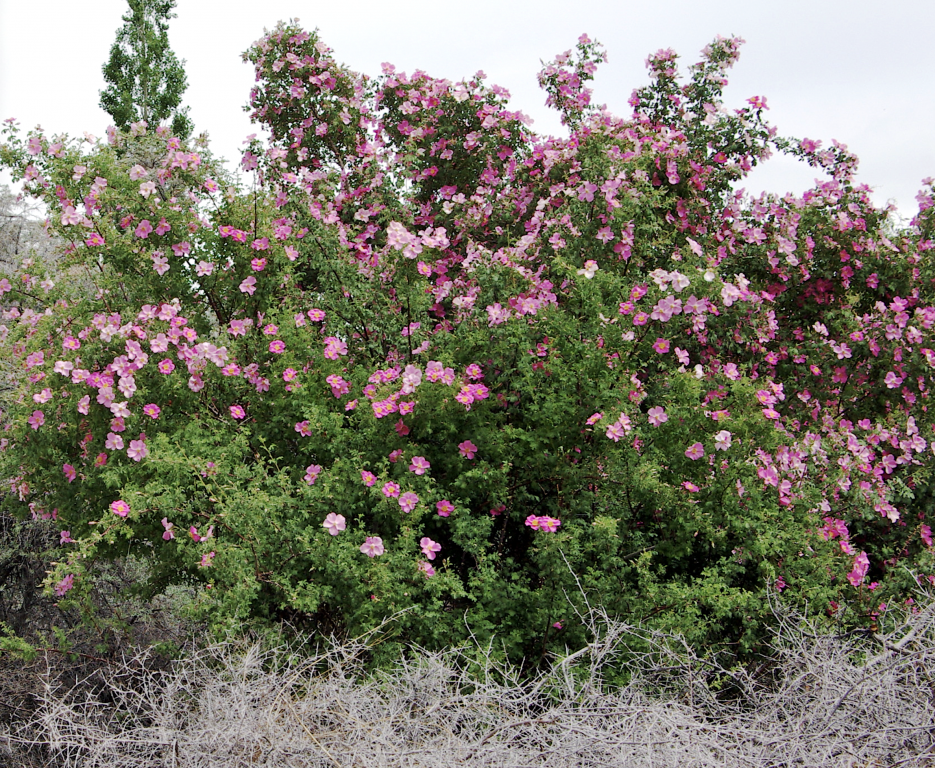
{"x": 657, "y": 416}
{"x": 137, "y": 450}
{"x": 723, "y": 440}
{"x": 695, "y": 451}
{"x": 335, "y": 524}
{"x": 167, "y": 535}
{"x": 248, "y": 285}
{"x": 429, "y": 547}
{"x": 408, "y": 501}
{"x": 69, "y": 471}
{"x": 419, "y": 465}
{"x": 311, "y": 473}
{"x": 372, "y": 547}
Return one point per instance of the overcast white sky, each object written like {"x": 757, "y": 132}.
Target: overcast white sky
{"x": 855, "y": 71}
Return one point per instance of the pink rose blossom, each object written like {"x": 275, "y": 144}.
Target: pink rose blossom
{"x": 695, "y": 451}
{"x": 444, "y": 508}
{"x": 408, "y": 501}
{"x": 429, "y": 547}
{"x": 657, "y": 416}
{"x": 467, "y": 449}
{"x": 372, "y": 547}
{"x": 334, "y": 524}
{"x": 120, "y": 508}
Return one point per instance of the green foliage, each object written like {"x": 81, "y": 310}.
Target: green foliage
{"x": 145, "y": 79}
{"x": 520, "y": 374}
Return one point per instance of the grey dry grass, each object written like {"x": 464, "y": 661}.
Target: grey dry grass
{"x": 824, "y": 701}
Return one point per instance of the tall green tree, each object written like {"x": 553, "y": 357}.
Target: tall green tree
{"x": 145, "y": 78}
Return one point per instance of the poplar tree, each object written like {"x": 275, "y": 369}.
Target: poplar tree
{"x": 145, "y": 78}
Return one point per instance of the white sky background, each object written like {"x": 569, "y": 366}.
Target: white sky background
{"x": 850, "y": 70}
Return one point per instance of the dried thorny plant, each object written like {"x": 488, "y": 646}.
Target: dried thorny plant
{"x": 818, "y": 700}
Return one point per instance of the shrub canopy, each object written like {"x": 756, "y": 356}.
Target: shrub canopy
{"x": 432, "y": 361}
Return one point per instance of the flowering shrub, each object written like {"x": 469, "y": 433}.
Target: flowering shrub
{"x": 430, "y": 335}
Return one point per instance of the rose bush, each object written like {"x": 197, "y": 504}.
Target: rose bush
{"x": 431, "y": 360}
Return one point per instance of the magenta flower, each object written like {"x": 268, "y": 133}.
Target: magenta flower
{"x": 316, "y": 315}
{"x": 65, "y": 538}
{"x": 289, "y": 374}
{"x": 144, "y": 229}
{"x": 467, "y": 449}
{"x": 427, "y": 569}
{"x": 444, "y": 508}
{"x": 238, "y": 412}
{"x": 368, "y": 478}
{"x": 549, "y": 524}
{"x": 36, "y": 420}
{"x": 372, "y": 547}
{"x": 69, "y": 471}
{"x": 419, "y": 465}
{"x": 926, "y": 533}
{"x": 429, "y": 547}
{"x": 166, "y": 366}
{"x": 206, "y": 560}
{"x": 258, "y": 265}
{"x": 657, "y": 416}
{"x": 65, "y": 585}
{"x": 152, "y": 410}
{"x": 594, "y": 418}
{"x": 304, "y": 428}
{"x": 661, "y": 346}
{"x": 390, "y": 490}
{"x": 859, "y": 572}
{"x": 334, "y": 347}
{"x": 120, "y": 508}
{"x": 277, "y": 347}
{"x": 695, "y": 451}
{"x": 167, "y": 535}
{"x": 474, "y": 372}
{"x": 335, "y": 524}
{"x": 408, "y": 501}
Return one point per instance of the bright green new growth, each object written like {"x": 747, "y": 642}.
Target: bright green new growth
{"x": 145, "y": 78}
